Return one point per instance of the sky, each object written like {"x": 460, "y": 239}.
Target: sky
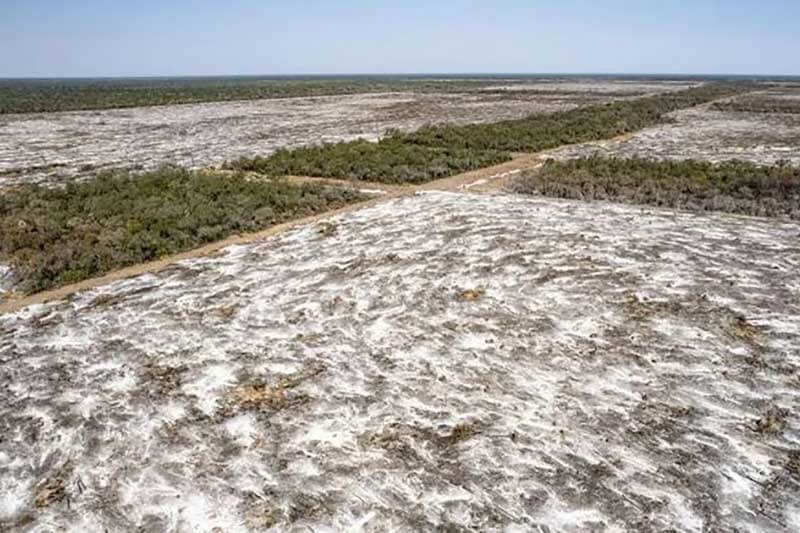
{"x": 75, "y": 38}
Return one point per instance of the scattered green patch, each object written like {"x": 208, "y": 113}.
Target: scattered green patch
{"x": 54, "y": 236}
{"x": 541, "y": 132}
{"x": 732, "y": 187}
{"x": 470, "y": 295}
{"x": 53, "y": 490}
{"x": 389, "y": 161}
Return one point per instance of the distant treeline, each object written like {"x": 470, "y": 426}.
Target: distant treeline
{"x": 36, "y": 96}
{"x": 54, "y": 236}
{"x": 74, "y": 94}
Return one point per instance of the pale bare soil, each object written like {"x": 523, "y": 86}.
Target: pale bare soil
{"x": 52, "y": 147}
{"x": 592, "y": 84}
{"x": 443, "y": 360}
{"x": 708, "y": 134}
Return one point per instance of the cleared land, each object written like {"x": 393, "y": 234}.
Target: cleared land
{"x": 444, "y": 360}
{"x": 781, "y": 99}
{"x": 51, "y": 147}
{"x": 762, "y": 128}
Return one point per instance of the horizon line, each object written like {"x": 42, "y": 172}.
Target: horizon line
{"x": 408, "y": 74}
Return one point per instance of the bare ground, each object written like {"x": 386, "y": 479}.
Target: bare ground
{"x": 442, "y": 360}
{"x": 51, "y": 147}
{"x": 708, "y": 134}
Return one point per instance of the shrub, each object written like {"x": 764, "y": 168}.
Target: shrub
{"x": 53, "y": 236}
{"x": 733, "y": 187}
{"x": 389, "y": 161}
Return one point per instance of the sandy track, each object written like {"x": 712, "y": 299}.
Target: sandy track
{"x": 438, "y": 360}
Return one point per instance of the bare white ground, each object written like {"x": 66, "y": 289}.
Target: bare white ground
{"x": 57, "y": 146}
{"x": 707, "y": 134}
{"x": 440, "y": 361}
{"x": 593, "y": 85}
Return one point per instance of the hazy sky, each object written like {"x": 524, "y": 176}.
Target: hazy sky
{"x": 193, "y": 37}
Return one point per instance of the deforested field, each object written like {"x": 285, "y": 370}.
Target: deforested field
{"x": 445, "y": 360}
{"x": 47, "y": 147}
{"x": 434, "y": 332}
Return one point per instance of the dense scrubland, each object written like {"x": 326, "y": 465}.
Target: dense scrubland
{"x": 732, "y": 187}
{"x": 57, "y": 235}
{"x": 388, "y": 161}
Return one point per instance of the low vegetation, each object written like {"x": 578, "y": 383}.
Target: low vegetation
{"x": 541, "y": 132}
{"x": 732, "y": 187}
{"x": 761, "y": 105}
{"x": 390, "y": 161}
{"x": 35, "y": 96}
{"x": 54, "y": 236}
